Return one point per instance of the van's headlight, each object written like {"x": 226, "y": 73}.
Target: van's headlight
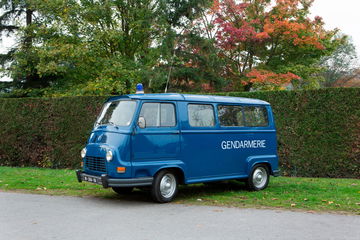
{"x": 83, "y": 152}
{"x": 109, "y": 155}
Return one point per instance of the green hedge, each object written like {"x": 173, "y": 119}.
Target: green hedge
{"x": 318, "y": 131}
{"x": 46, "y": 132}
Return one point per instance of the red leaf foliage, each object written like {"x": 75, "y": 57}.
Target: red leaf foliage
{"x": 264, "y": 76}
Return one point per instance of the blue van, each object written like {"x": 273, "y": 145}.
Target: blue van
{"x": 163, "y": 140}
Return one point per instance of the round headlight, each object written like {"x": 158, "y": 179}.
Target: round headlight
{"x": 83, "y": 152}
{"x": 109, "y": 155}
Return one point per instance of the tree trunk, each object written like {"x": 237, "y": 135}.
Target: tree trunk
{"x": 28, "y": 33}
{"x": 30, "y": 79}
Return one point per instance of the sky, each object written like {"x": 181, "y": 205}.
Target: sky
{"x": 342, "y": 14}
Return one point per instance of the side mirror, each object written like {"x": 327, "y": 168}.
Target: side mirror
{"x": 141, "y": 122}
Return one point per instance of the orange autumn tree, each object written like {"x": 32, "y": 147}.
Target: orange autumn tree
{"x": 270, "y": 43}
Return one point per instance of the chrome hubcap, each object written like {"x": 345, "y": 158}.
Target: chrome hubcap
{"x": 168, "y": 185}
{"x": 260, "y": 177}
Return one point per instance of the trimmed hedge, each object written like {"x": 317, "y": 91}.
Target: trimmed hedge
{"x": 318, "y": 131}
{"x": 45, "y": 132}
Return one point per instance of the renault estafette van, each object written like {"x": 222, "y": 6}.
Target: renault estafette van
{"x": 163, "y": 140}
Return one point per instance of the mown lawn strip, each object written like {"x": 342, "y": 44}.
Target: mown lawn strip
{"x": 307, "y": 194}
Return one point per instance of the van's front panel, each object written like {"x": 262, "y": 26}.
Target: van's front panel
{"x": 106, "y": 139}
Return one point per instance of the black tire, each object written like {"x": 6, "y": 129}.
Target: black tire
{"x": 259, "y": 178}
{"x": 165, "y": 186}
{"x": 123, "y": 190}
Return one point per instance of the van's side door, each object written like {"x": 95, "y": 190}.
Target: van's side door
{"x": 200, "y": 143}
{"x": 159, "y": 140}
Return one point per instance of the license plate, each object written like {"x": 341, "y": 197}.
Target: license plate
{"x": 92, "y": 179}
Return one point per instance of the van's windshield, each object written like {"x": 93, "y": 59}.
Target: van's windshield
{"x": 118, "y": 113}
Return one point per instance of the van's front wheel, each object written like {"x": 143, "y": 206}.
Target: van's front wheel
{"x": 259, "y": 178}
{"x": 165, "y": 187}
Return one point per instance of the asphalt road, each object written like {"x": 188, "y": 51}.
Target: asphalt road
{"x": 27, "y": 217}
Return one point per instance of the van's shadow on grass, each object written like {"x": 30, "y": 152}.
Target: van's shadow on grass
{"x": 188, "y": 192}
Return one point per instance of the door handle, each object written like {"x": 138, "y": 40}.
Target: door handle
{"x": 176, "y": 132}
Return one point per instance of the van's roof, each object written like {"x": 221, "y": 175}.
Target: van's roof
{"x": 191, "y": 98}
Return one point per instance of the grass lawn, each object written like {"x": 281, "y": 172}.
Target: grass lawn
{"x": 306, "y": 194}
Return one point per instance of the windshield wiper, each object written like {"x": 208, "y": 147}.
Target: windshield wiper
{"x": 107, "y": 123}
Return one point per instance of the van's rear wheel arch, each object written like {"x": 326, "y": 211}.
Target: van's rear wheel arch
{"x": 268, "y": 165}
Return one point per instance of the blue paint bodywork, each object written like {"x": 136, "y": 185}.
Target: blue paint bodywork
{"x": 195, "y": 151}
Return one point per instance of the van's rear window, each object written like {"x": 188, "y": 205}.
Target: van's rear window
{"x": 256, "y": 116}
{"x": 231, "y": 116}
{"x": 240, "y": 116}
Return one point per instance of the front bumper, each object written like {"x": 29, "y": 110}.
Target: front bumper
{"x": 106, "y": 182}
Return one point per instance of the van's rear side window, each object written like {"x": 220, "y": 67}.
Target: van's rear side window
{"x": 201, "y": 115}
{"x": 231, "y": 116}
{"x": 256, "y": 116}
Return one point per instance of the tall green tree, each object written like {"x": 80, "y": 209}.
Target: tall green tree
{"x": 194, "y": 64}
{"x": 17, "y": 20}
{"x": 103, "y": 46}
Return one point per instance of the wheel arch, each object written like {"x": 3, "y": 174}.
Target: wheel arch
{"x": 266, "y": 160}
{"x": 178, "y": 171}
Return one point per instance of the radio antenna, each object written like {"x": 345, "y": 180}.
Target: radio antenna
{"x": 172, "y": 62}
{"x": 169, "y": 74}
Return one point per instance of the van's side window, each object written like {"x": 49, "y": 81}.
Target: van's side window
{"x": 256, "y": 117}
{"x": 231, "y": 116}
{"x": 201, "y": 115}
{"x": 158, "y": 114}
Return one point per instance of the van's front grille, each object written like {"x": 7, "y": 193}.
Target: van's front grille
{"x": 95, "y": 163}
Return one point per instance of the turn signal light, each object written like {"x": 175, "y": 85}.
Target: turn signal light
{"x": 120, "y": 169}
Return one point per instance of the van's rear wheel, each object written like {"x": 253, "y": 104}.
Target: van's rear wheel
{"x": 259, "y": 178}
{"x": 165, "y": 186}
{"x": 123, "y": 190}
